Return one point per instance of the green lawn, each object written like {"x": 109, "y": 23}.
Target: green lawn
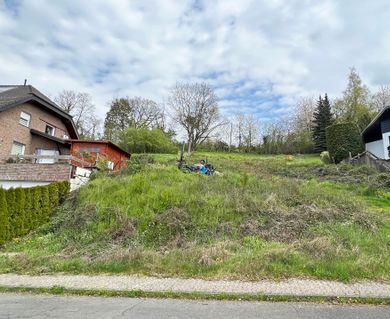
{"x": 262, "y": 217}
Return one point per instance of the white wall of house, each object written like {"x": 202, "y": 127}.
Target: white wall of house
{"x": 376, "y": 148}
{"x": 386, "y": 143}
{"x": 25, "y": 184}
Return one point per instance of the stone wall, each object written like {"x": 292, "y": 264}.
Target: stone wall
{"x": 34, "y": 172}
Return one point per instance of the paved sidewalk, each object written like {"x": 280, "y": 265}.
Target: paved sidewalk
{"x": 290, "y": 287}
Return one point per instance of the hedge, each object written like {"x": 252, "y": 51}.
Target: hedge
{"x": 342, "y": 139}
{"x": 23, "y": 209}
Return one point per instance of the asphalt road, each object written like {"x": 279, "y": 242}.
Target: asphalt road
{"x": 46, "y": 306}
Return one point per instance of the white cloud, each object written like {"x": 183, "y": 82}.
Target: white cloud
{"x": 259, "y": 55}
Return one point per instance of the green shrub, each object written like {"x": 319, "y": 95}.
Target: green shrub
{"x": 10, "y": 198}
{"x": 325, "y": 157}
{"x": 35, "y": 206}
{"x": 102, "y": 163}
{"x": 342, "y": 139}
{"x": 63, "y": 189}
{"x": 28, "y": 221}
{"x": 53, "y": 195}
{"x": 136, "y": 163}
{"x": 20, "y": 201}
{"x": 44, "y": 204}
{"x": 4, "y": 218}
{"x": 23, "y": 209}
{"x": 142, "y": 140}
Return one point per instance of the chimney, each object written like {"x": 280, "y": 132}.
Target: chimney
{"x": 25, "y": 82}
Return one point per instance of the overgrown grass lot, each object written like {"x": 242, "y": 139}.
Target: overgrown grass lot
{"x": 263, "y": 217}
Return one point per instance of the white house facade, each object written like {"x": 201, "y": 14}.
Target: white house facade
{"x": 376, "y": 135}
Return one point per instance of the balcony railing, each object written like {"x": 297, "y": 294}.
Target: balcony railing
{"x": 47, "y": 159}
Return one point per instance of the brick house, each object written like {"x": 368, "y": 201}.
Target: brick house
{"x": 30, "y": 123}
{"x": 33, "y": 128}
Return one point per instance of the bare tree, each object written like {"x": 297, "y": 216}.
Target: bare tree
{"x": 247, "y": 131}
{"x": 381, "y": 98}
{"x": 250, "y": 132}
{"x": 146, "y": 113}
{"x": 195, "y": 108}
{"x": 303, "y": 115}
{"x": 80, "y": 106}
{"x": 239, "y": 122}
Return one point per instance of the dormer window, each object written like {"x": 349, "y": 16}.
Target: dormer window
{"x": 49, "y": 130}
{"x": 25, "y": 119}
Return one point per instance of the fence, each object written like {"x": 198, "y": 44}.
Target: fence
{"x": 48, "y": 159}
{"x": 371, "y": 160}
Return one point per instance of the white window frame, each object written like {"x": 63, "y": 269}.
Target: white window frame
{"x": 54, "y": 129}
{"x": 24, "y": 116}
{"x": 20, "y": 144}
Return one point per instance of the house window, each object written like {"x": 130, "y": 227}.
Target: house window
{"x": 25, "y": 119}
{"x": 18, "y": 148}
{"x": 89, "y": 150}
{"x": 49, "y": 130}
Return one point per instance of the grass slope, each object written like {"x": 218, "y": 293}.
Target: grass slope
{"x": 264, "y": 217}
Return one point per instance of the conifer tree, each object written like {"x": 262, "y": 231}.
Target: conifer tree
{"x": 35, "y": 194}
{"x": 10, "y": 198}
{"x": 45, "y": 205}
{"x": 322, "y": 119}
{"x": 28, "y": 210}
{"x": 4, "y": 218}
{"x": 20, "y": 201}
{"x": 53, "y": 195}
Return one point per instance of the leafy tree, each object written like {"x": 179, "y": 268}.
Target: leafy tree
{"x": 134, "y": 112}
{"x": 4, "y": 218}
{"x": 322, "y": 119}
{"x": 342, "y": 139}
{"x": 142, "y": 140}
{"x": 356, "y": 104}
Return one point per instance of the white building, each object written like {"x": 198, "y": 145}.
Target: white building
{"x": 376, "y": 135}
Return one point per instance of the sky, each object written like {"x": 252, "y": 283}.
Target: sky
{"x": 260, "y": 56}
